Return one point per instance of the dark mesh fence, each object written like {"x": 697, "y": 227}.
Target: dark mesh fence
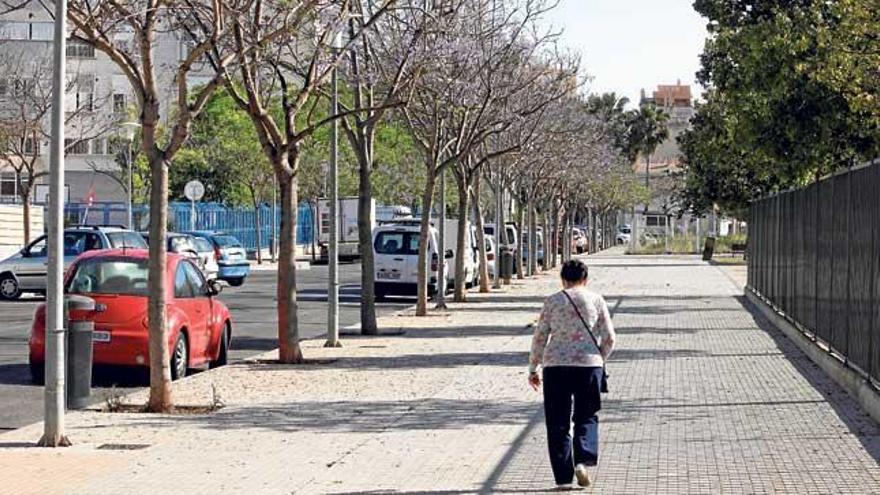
{"x": 813, "y": 253}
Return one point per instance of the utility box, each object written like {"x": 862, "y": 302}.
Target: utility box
{"x": 709, "y": 248}
{"x": 506, "y": 260}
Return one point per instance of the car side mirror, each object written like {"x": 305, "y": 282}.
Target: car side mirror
{"x": 214, "y": 287}
{"x": 449, "y": 254}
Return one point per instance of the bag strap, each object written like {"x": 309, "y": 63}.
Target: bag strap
{"x": 586, "y": 325}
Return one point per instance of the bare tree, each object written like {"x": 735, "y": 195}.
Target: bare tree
{"x": 288, "y": 73}
{"x": 25, "y": 104}
{"x": 130, "y": 33}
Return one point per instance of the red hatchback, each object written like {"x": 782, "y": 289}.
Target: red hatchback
{"x": 199, "y": 325}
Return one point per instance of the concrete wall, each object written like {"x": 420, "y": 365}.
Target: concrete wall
{"x": 12, "y": 229}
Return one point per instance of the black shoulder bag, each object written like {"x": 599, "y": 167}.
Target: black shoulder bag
{"x": 604, "y": 385}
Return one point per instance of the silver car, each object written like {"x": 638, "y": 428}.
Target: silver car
{"x": 26, "y": 270}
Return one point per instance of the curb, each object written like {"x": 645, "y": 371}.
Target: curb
{"x": 857, "y": 386}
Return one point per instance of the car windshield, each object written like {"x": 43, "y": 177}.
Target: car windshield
{"x": 110, "y": 276}
{"x": 180, "y": 244}
{"x": 625, "y": 230}
{"x": 227, "y": 241}
{"x": 397, "y": 243}
{"x": 203, "y": 245}
{"x": 122, "y": 239}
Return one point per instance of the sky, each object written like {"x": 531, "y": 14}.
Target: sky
{"x": 627, "y": 45}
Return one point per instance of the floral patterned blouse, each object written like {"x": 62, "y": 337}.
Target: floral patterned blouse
{"x": 560, "y": 337}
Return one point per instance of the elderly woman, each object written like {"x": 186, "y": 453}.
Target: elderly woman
{"x": 572, "y": 340}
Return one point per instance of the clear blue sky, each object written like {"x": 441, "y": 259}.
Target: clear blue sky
{"x": 631, "y": 44}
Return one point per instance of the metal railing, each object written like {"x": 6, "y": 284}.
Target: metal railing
{"x": 813, "y": 255}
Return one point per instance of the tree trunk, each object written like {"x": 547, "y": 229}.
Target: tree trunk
{"x": 259, "y": 232}
{"x": 289, "y": 351}
{"x": 160, "y": 357}
{"x": 460, "y": 287}
{"x": 26, "y": 214}
{"x": 481, "y": 238}
{"x": 422, "y": 280}
{"x": 533, "y": 238}
{"x": 365, "y": 246}
{"x": 520, "y": 224}
{"x": 545, "y": 217}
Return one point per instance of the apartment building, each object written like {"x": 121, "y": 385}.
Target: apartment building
{"x": 98, "y": 100}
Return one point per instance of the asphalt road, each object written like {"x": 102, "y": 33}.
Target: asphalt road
{"x": 253, "y": 311}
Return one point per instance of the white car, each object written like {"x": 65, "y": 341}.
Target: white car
{"x": 207, "y": 257}
{"x": 624, "y": 235}
{"x": 491, "y": 254}
{"x": 396, "y": 260}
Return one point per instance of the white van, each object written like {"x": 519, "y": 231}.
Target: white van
{"x": 471, "y": 253}
{"x": 396, "y": 255}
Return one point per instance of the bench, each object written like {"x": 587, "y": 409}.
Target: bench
{"x": 738, "y": 248}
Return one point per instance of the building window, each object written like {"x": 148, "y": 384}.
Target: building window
{"x": 32, "y": 146}
{"x": 77, "y": 48}
{"x": 22, "y": 87}
{"x": 42, "y": 31}
{"x": 85, "y": 92}
{"x": 119, "y": 104}
{"x": 656, "y": 221}
{"x": 11, "y": 30}
{"x": 77, "y": 146}
{"x": 8, "y": 186}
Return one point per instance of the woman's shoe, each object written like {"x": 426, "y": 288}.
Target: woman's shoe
{"x": 582, "y": 475}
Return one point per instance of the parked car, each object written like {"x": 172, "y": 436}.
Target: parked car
{"x": 396, "y": 254}
{"x": 579, "y": 240}
{"x": 199, "y": 325}
{"x": 182, "y": 244}
{"x": 207, "y": 256}
{"x": 25, "y": 271}
{"x": 233, "y": 266}
{"x": 624, "y": 234}
{"x": 491, "y": 254}
{"x": 525, "y": 246}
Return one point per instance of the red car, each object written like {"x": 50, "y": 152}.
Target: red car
{"x": 199, "y": 325}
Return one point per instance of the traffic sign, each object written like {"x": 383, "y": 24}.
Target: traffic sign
{"x": 194, "y": 190}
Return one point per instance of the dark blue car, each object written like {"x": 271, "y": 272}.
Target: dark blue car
{"x": 232, "y": 261}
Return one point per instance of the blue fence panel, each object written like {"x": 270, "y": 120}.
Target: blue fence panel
{"x": 239, "y": 222}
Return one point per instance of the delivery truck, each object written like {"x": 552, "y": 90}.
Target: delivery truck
{"x": 347, "y": 222}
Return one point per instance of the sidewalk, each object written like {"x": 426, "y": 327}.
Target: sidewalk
{"x": 705, "y": 398}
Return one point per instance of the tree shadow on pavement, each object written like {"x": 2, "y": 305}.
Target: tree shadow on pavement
{"x": 845, "y": 407}
{"x": 355, "y": 416}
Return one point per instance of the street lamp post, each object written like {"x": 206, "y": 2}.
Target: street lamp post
{"x": 54, "y": 398}
{"x": 130, "y": 129}
{"x": 333, "y": 248}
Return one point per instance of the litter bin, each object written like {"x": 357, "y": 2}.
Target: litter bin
{"x": 79, "y": 352}
{"x": 709, "y": 248}
{"x": 506, "y": 263}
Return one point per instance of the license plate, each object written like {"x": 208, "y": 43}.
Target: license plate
{"x": 100, "y": 336}
{"x": 388, "y": 275}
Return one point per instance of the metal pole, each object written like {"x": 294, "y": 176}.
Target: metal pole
{"x": 333, "y": 248}
{"x": 192, "y": 215}
{"x": 53, "y": 426}
{"x": 130, "y": 217}
{"x": 275, "y": 220}
{"x": 499, "y": 233}
{"x": 441, "y": 255}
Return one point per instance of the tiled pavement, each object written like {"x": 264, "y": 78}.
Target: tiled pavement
{"x": 706, "y": 398}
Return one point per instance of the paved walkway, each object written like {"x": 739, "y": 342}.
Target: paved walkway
{"x": 705, "y": 398}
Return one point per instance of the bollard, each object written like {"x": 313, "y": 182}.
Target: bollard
{"x": 79, "y": 352}
{"x": 709, "y": 248}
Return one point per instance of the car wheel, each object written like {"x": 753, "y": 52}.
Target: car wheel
{"x": 236, "y": 282}
{"x": 179, "y": 357}
{"x": 225, "y": 341}
{"x": 38, "y": 373}
{"x": 9, "y": 288}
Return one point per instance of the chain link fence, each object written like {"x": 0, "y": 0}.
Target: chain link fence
{"x": 813, "y": 255}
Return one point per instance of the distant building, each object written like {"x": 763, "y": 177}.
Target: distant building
{"x": 676, "y": 100}
{"x": 97, "y": 90}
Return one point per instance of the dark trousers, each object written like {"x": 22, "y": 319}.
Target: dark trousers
{"x": 562, "y": 386}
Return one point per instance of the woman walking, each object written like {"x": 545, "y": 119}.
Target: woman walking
{"x": 572, "y": 340}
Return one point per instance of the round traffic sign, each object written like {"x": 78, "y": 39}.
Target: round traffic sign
{"x": 194, "y": 190}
